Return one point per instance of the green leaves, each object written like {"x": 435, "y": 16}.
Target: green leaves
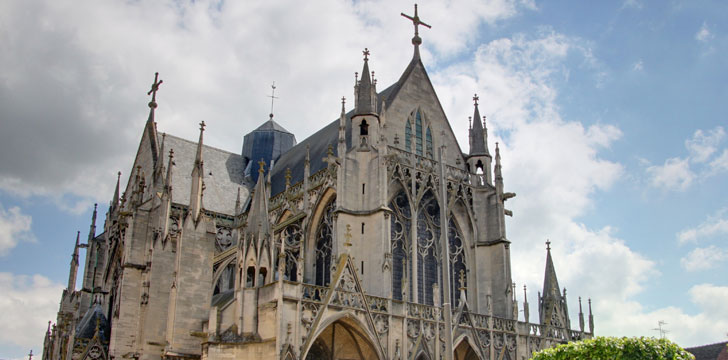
{"x": 616, "y": 348}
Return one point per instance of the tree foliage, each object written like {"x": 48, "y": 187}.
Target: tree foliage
{"x": 615, "y": 348}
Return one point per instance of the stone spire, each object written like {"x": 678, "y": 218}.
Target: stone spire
{"x": 74, "y": 266}
{"x": 591, "y": 319}
{"x": 364, "y": 89}
{"x": 478, "y": 145}
{"x": 581, "y": 316}
{"x": 497, "y": 168}
{"x": 525, "y": 305}
{"x": 115, "y": 200}
{"x": 552, "y": 304}
{"x": 258, "y": 224}
{"x": 198, "y": 185}
{"x": 92, "y": 228}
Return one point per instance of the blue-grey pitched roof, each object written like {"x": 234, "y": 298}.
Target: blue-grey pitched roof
{"x": 87, "y": 326}
{"x": 223, "y": 175}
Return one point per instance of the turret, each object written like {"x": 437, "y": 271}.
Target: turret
{"x": 479, "y": 159}
{"x": 365, "y": 122}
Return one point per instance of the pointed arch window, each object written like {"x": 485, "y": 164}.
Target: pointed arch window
{"x": 457, "y": 261}
{"x": 408, "y": 136}
{"x": 418, "y": 133}
{"x": 428, "y": 143}
{"x": 428, "y": 234}
{"x": 401, "y": 221}
{"x": 293, "y": 236}
{"x": 324, "y": 240}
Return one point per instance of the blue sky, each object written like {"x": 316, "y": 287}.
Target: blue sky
{"x": 611, "y": 118}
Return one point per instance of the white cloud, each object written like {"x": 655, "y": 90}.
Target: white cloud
{"x": 703, "y": 258}
{"x": 702, "y": 145}
{"x": 638, "y": 66}
{"x": 14, "y": 227}
{"x": 632, "y": 4}
{"x": 704, "y": 34}
{"x": 674, "y": 174}
{"x": 714, "y": 225}
{"x": 720, "y": 163}
{"x": 27, "y": 303}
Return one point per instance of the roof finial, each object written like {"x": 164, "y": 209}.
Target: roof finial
{"x": 366, "y": 54}
{"x": 261, "y": 166}
{"x": 548, "y": 245}
{"x": 416, "y": 40}
{"x": 343, "y": 104}
{"x": 475, "y": 99}
{"x": 153, "y": 91}
{"x": 272, "y": 98}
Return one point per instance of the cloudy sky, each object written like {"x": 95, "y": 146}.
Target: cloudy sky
{"x": 611, "y": 116}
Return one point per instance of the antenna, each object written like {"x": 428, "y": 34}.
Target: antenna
{"x": 660, "y": 329}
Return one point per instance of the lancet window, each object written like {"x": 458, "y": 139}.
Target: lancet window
{"x": 293, "y": 236}
{"x": 457, "y": 261}
{"x": 324, "y": 240}
{"x": 422, "y": 136}
{"x": 428, "y": 234}
{"x": 401, "y": 221}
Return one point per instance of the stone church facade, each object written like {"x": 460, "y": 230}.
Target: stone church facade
{"x": 374, "y": 238}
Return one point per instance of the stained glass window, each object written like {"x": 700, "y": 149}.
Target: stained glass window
{"x": 457, "y": 261}
{"x": 428, "y": 234}
{"x": 418, "y": 133}
{"x": 408, "y": 136}
{"x": 292, "y": 235}
{"x": 324, "y": 237}
{"x": 400, "y": 237}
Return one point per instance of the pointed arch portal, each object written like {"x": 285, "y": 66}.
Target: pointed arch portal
{"x": 465, "y": 352}
{"x": 341, "y": 340}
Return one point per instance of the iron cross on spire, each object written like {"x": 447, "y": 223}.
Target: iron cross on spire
{"x": 366, "y": 54}
{"x": 272, "y": 97}
{"x": 416, "y": 21}
{"x": 475, "y": 99}
{"x": 153, "y": 91}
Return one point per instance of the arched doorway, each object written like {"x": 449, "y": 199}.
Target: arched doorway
{"x": 342, "y": 340}
{"x": 465, "y": 352}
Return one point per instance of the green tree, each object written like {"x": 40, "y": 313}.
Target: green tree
{"x": 615, "y": 348}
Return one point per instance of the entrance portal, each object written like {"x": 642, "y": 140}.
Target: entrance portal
{"x": 465, "y": 352}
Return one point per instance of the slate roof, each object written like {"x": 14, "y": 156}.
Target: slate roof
{"x": 223, "y": 175}
{"x": 87, "y": 326}
{"x": 319, "y": 144}
{"x": 717, "y": 351}
{"x": 272, "y": 125}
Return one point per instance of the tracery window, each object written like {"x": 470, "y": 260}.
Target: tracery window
{"x": 457, "y": 261}
{"x": 422, "y": 136}
{"x": 324, "y": 237}
{"x": 401, "y": 221}
{"x": 428, "y": 143}
{"x": 292, "y": 235}
{"x": 428, "y": 234}
{"x": 418, "y": 133}
{"x": 226, "y": 281}
{"x": 408, "y": 136}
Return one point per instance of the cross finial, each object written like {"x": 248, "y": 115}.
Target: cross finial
{"x": 153, "y": 91}
{"x": 261, "y": 166}
{"x": 416, "y": 40}
{"x": 30, "y": 355}
{"x": 475, "y": 99}
{"x": 272, "y": 97}
{"x": 548, "y": 244}
{"x": 202, "y": 125}
{"x": 366, "y": 54}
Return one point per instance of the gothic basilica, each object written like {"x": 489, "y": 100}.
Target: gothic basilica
{"x": 374, "y": 238}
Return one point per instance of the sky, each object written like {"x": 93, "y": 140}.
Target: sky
{"x": 611, "y": 119}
